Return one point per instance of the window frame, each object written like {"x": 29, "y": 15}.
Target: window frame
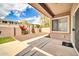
{"x": 59, "y": 18}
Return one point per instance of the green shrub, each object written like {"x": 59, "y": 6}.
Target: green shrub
{"x": 33, "y": 30}
{"x": 39, "y": 29}
{"x": 25, "y": 32}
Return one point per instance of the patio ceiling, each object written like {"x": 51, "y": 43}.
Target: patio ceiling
{"x": 52, "y": 9}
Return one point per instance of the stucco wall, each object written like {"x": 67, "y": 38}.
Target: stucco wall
{"x": 60, "y": 36}
{"x": 46, "y": 30}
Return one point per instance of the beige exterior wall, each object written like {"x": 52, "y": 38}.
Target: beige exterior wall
{"x": 60, "y": 36}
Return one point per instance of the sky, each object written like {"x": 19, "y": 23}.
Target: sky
{"x": 19, "y": 11}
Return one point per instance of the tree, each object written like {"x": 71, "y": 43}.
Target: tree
{"x": 37, "y": 25}
{"x": 33, "y": 30}
{"x": 24, "y": 29}
{"x": 24, "y": 22}
{"x": 45, "y": 21}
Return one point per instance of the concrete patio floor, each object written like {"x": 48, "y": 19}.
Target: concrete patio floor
{"x": 29, "y": 36}
{"x": 12, "y": 48}
{"x": 47, "y": 47}
{"x": 38, "y": 46}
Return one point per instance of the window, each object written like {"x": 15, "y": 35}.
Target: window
{"x": 60, "y": 24}
{"x": 55, "y": 25}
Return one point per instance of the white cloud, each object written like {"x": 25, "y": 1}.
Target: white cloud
{"x": 33, "y": 18}
{"x": 6, "y": 7}
{"x": 2, "y": 17}
{"x": 36, "y": 19}
{"x": 19, "y": 6}
{"x": 17, "y": 13}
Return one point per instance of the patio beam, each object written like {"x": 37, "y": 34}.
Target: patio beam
{"x": 47, "y": 9}
{"x": 38, "y": 7}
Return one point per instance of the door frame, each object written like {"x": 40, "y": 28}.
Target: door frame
{"x": 73, "y": 26}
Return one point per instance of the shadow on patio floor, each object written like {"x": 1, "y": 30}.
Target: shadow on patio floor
{"x": 29, "y": 36}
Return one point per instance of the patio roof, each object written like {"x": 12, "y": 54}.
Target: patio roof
{"x": 53, "y": 9}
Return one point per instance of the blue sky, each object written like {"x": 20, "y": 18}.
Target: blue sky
{"x": 16, "y": 12}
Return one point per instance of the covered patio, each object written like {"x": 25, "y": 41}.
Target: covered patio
{"x": 47, "y": 47}
{"x": 61, "y": 30}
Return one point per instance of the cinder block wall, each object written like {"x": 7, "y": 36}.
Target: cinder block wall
{"x": 6, "y": 31}
{"x": 18, "y": 31}
{"x": 9, "y": 31}
{"x": 46, "y": 30}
